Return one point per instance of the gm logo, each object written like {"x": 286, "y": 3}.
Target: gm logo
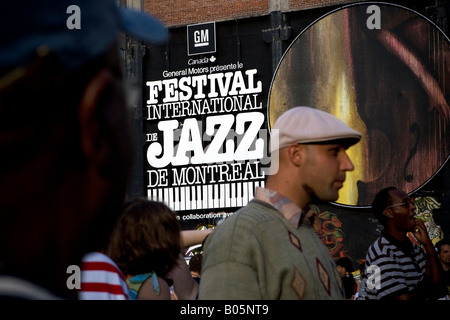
{"x": 201, "y": 38}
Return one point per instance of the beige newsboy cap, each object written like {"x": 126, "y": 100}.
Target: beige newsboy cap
{"x": 310, "y": 125}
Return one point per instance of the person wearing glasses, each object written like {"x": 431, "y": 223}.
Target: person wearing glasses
{"x": 396, "y": 268}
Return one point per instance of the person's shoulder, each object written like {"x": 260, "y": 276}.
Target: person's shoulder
{"x": 380, "y": 247}
{"x": 13, "y": 288}
{"x": 249, "y": 217}
{"x": 154, "y": 288}
{"x": 248, "y": 222}
{"x": 256, "y": 212}
{"x": 97, "y": 256}
{"x": 100, "y": 261}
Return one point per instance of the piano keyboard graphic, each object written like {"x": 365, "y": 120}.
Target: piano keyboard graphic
{"x": 213, "y": 196}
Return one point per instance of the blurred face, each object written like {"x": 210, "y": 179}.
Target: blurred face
{"x": 342, "y": 271}
{"x": 444, "y": 254}
{"x": 324, "y": 169}
{"x": 403, "y": 210}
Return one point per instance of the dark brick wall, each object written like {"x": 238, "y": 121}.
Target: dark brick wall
{"x": 183, "y": 12}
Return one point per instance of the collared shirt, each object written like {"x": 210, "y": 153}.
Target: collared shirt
{"x": 268, "y": 250}
{"x": 286, "y": 207}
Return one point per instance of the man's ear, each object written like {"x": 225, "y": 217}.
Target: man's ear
{"x": 296, "y": 154}
{"x": 388, "y": 213}
{"x": 98, "y": 118}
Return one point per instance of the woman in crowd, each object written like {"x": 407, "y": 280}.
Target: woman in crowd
{"x": 146, "y": 244}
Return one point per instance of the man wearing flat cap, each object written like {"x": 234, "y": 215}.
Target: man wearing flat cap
{"x": 269, "y": 248}
{"x": 64, "y": 140}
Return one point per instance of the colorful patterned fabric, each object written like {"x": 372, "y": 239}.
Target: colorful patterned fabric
{"x": 136, "y": 282}
{"x": 286, "y": 207}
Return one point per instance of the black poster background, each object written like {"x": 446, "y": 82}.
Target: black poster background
{"x": 345, "y": 229}
{"x": 239, "y": 45}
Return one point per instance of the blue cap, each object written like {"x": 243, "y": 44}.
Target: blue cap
{"x": 28, "y": 24}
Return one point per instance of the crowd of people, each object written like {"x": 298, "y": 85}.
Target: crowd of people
{"x": 269, "y": 249}
{"x": 144, "y": 259}
{"x": 65, "y": 162}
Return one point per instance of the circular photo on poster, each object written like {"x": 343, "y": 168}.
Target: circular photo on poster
{"x": 382, "y": 69}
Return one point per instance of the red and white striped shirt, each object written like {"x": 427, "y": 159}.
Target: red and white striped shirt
{"x": 101, "y": 279}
